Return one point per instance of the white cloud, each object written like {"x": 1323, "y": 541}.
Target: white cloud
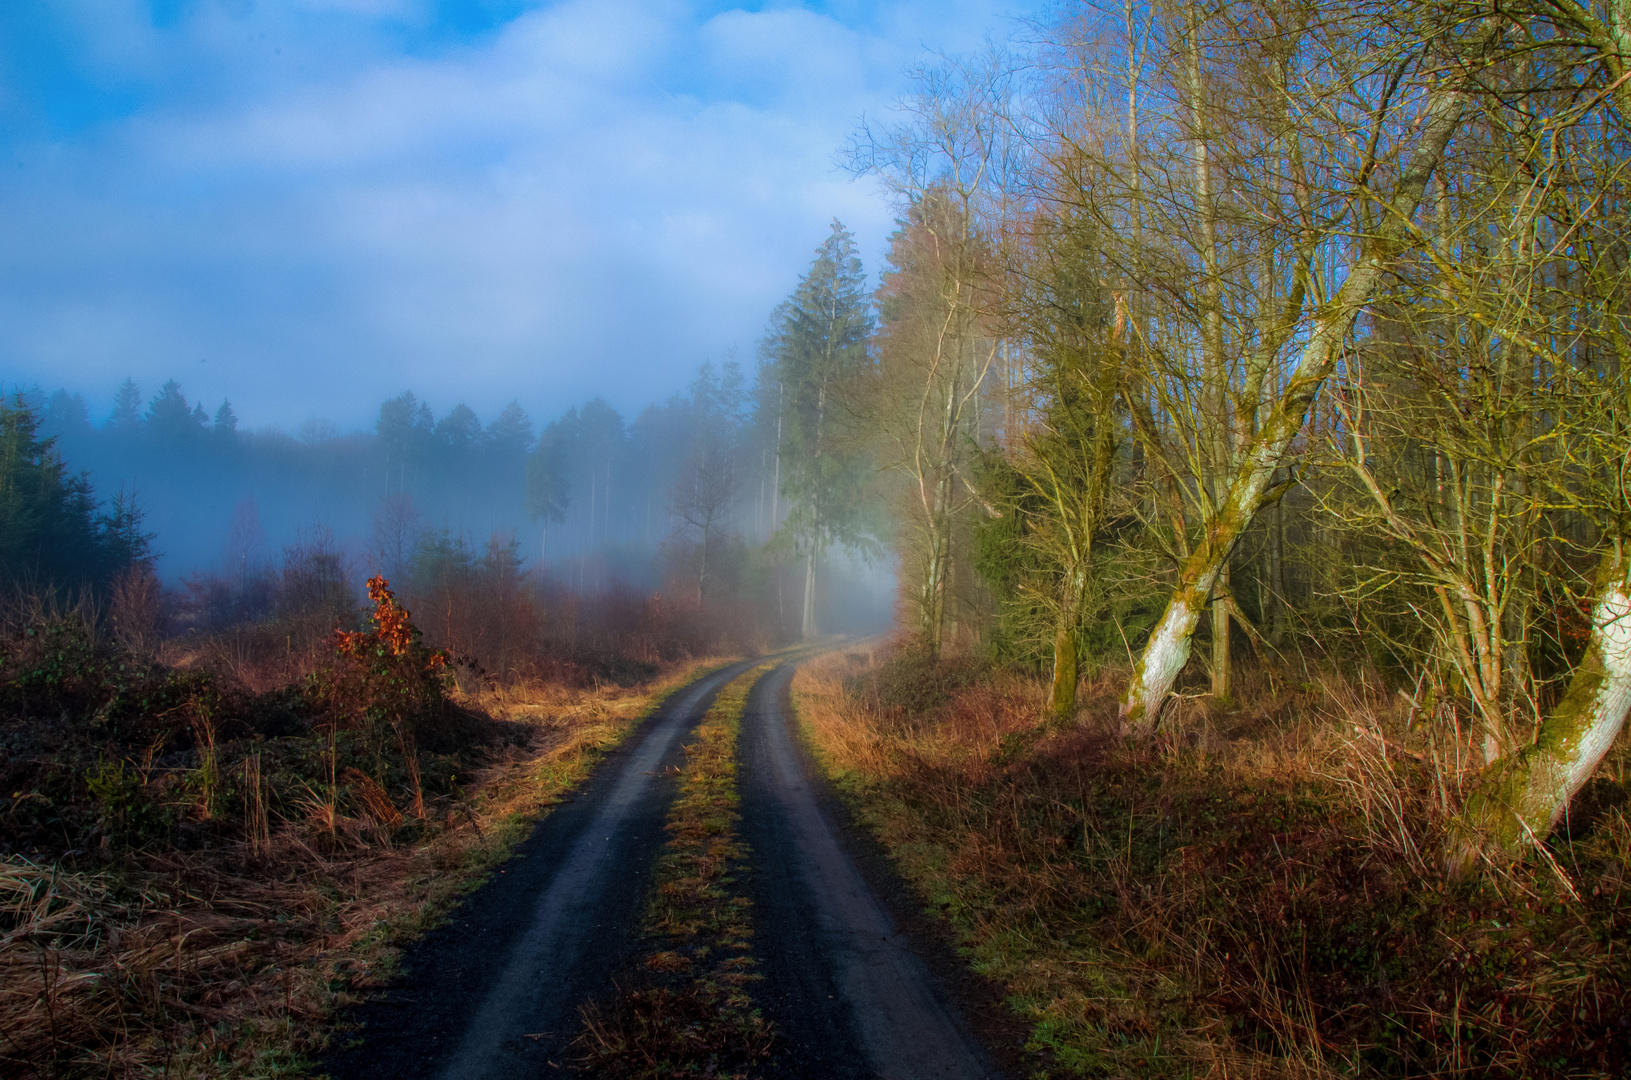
{"x": 593, "y": 199}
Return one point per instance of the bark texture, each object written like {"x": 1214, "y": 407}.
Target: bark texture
{"x": 1167, "y": 650}
{"x": 1521, "y": 798}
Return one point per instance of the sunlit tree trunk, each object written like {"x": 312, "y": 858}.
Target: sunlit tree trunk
{"x": 1522, "y": 797}
{"x": 1214, "y": 421}
{"x": 1167, "y": 649}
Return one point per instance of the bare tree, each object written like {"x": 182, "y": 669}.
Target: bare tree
{"x": 702, "y": 499}
{"x": 1316, "y": 327}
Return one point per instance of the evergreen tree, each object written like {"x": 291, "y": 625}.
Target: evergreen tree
{"x": 127, "y": 406}
{"x": 406, "y": 431}
{"x": 458, "y": 432}
{"x": 226, "y": 424}
{"x": 817, "y": 344}
{"x": 170, "y": 420}
{"x": 548, "y": 482}
{"x": 50, "y": 529}
{"x": 511, "y": 434}
{"x": 66, "y": 414}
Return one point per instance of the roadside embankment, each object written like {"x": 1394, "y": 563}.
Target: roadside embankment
{"x": 1254, "y": 894}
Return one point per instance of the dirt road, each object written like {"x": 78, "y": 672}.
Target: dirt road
{"x": 494, "y": 993}
{"x": 847, "y": 991}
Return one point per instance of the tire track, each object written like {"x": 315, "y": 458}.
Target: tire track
{"x": 845, "y": 988}
{"x": 493, "y": 994}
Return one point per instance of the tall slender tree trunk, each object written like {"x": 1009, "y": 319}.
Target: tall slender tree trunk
{"x": 1167, "y": 649}
{"x": 1214, "y": 421}
{"x": 807, "y": 628}
{"x": 1522, "y": 796}
{"x": 776, "y": 482}
{"x": 1221, "y": 671}
{"x": 1274, "y": 601}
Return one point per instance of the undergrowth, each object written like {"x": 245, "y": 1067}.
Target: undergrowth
{"x": 1257, "y": 895}
{"x": 687, "y": 1012}
{"x": 195, "y": 876}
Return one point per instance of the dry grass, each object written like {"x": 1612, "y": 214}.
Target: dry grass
{"x": 1255, "y": 893}
{"x": 232, "y": 961}
{"x": 688, "y": 1012}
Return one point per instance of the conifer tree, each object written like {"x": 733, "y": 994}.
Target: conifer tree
{"x": 818, "y": 343}
{"x": 50, "y": 529}
{"x": 127, "y": 405}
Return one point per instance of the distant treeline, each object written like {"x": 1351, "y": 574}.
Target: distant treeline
{"x": 217, "y": 495}
{"x": 673, "y": 498}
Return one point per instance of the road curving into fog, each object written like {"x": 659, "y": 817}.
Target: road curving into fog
{"x": 494, "y": 993}
{"x": 848, "y": 992}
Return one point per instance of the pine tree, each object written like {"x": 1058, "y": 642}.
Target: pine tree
{"x": 127, "y": 408}
{"x": 817, "y": 345}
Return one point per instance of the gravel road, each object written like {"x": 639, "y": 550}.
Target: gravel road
{"x": 494, "y": 993}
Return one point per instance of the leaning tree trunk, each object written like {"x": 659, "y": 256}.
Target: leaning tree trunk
{"x": 1167, "y": 650}
{"x": 1522, "y": 796}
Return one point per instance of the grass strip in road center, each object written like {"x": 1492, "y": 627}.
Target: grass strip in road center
{"x": 686, "y": 1011}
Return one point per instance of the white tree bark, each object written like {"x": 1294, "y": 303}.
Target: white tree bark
{"x": 1521, "y": 798}
{"x": 1167, "y": 650}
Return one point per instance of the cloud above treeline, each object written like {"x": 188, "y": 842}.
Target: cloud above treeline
{"x": 308, "y": 206}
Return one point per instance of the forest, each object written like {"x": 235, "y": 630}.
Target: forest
{"x": 1240, "y": 421}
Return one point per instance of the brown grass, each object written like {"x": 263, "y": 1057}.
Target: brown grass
{"x": 232, "y": 961}
{"x": 1254, "y": 893}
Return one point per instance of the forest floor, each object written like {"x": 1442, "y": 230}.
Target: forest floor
{"x": 1255, "y": 893}
{"x": 231, "y": 953}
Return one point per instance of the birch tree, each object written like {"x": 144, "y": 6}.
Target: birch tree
{"x": 1400, "y": 124}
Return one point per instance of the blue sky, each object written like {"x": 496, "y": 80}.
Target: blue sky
{"x": 310, "y": 205}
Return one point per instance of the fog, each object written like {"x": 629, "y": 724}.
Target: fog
{"x": 582, "y": 496}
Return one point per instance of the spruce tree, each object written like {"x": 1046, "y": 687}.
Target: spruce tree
{"x": 127, "y": 408}
{"x": 817, "y": 346}
{"x": 511, "y": 434}
{"x": 51, "y": 532}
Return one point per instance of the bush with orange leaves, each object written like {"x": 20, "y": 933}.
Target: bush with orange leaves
{"x": 385, "y": 679}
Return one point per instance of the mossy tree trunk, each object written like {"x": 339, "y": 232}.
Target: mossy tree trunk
{"x": 1522, "y": 796}
{"x": 1167, "y": 650}
{"x": 1066, "y": 673}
